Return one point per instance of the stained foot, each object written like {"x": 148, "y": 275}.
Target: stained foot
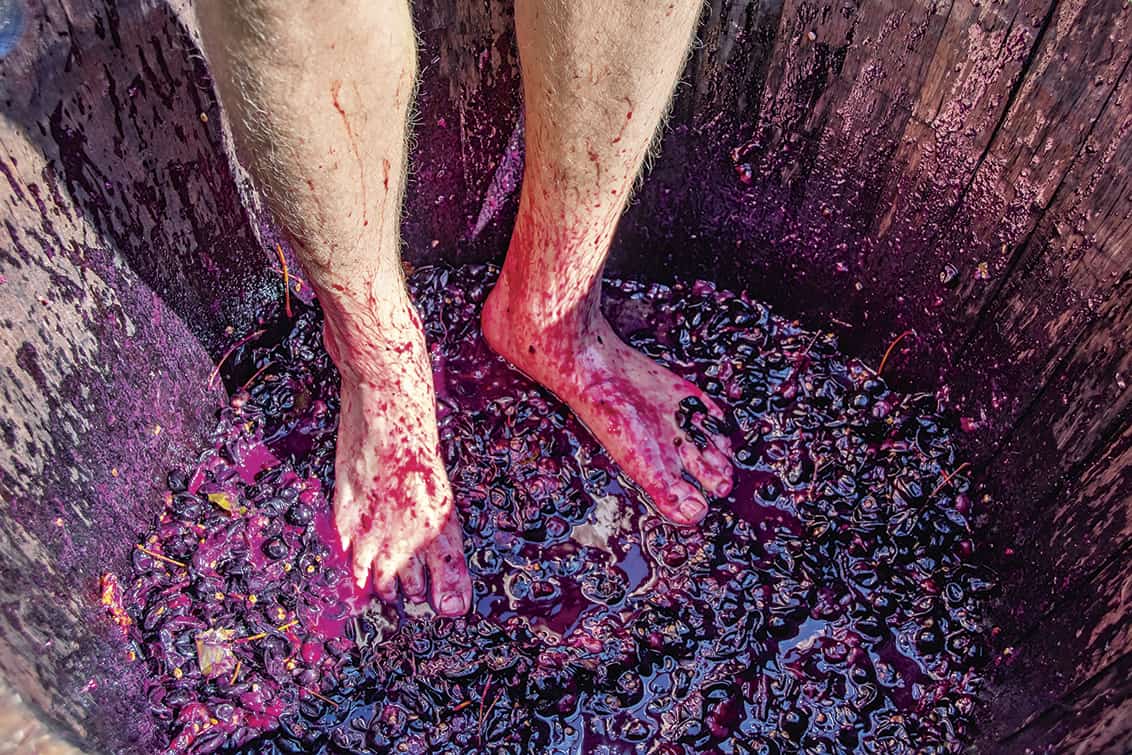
{"x": 628, "y": 402}
{"x": 393, "y": 503}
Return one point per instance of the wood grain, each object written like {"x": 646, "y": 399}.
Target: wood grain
{"x": 1078, "y": 652}
{"x": 832, "y": 157}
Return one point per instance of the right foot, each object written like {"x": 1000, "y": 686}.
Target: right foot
{"x": 393, "y": 502}
{"x": 627, "y": 401}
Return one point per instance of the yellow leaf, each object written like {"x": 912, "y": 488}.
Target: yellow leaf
{"x": 224, "y": 501}
{"x": 214, "y": 653}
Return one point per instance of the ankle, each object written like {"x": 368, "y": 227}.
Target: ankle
{"x": 547, "y": 348}
{"x": 369, "y": 338}
{"x": 560, "y": 307}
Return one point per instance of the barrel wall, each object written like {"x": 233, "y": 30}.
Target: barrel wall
{"x": 956, "y": 169}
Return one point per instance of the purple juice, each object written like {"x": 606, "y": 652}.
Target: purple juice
{"x": 830, "y": 604}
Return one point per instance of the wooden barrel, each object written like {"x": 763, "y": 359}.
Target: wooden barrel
{"x": 955, "y": 168}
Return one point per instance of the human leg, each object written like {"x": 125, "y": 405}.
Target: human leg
{"x": 318, "y": 96}
{"x": 597, "y": 79}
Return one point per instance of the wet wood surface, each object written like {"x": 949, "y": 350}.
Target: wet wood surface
{"x": 834, "y": 157}
{"x": 24, "y": 733}
{"x": 125, "y": 253}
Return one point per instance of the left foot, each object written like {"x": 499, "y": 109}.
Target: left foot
{"x": 628, "y": 402}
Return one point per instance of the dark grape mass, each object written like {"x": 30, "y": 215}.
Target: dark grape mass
{"x": 833, "y": 603}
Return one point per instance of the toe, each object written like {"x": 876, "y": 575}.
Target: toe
{"x": 448, "y": 571}
{"x": 385, "y": 584}
{"x": 345, "y": 512}
{"x": 689, "y": 389}
{"x": 714, "y": 425}
{"x": 692, "y": 458}
{"x": 682, "y": 503}
{"x": 716, "y": 430}
{"x": 722, "y": 471}
{"x": 412, "y": 576}
{"x": 365, "y": 550}
{"x": 708, "y": 466}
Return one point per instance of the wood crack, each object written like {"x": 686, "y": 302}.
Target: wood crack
{"x": 1016, "y": 87}
{"x": 1020, "y": 251}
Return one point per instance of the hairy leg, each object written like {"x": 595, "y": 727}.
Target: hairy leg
{"x": 318, "y": 96}
{"x": 597, "y": 79}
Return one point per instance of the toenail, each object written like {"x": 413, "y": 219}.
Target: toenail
{"x": 452, "y": 605}
{"x": 692, "y": 509}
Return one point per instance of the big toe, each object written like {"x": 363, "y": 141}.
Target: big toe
{"x": 448, "y": 571}
{"x": 682, "y": 503}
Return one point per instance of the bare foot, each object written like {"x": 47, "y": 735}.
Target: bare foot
{"x": 393, "y": 502}
{"x": 626, "y": 400}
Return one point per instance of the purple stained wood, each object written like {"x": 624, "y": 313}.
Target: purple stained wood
{"x": 833, "y": 157}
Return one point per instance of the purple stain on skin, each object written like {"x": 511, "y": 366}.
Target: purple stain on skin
{"x": 832, "y": 603}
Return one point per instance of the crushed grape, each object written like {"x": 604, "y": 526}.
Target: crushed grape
{"x": 832, "y": 603}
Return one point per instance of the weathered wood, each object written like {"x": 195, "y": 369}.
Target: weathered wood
{"x": 1095, "y": 718}
{"x": 1091, "y": 517}
{"x": 833, "y": 157}
{"x": 1067, "y": 658}
{"x": 1065, "y": 286}
{"x": 468, "y": 108}
{"x": 981, "y": 57}
{"x": 1068, "y": 448}
{"x": 123, "y": 248}
{"x": 1079, "y": 72}
{"x": 23, "y": 732}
